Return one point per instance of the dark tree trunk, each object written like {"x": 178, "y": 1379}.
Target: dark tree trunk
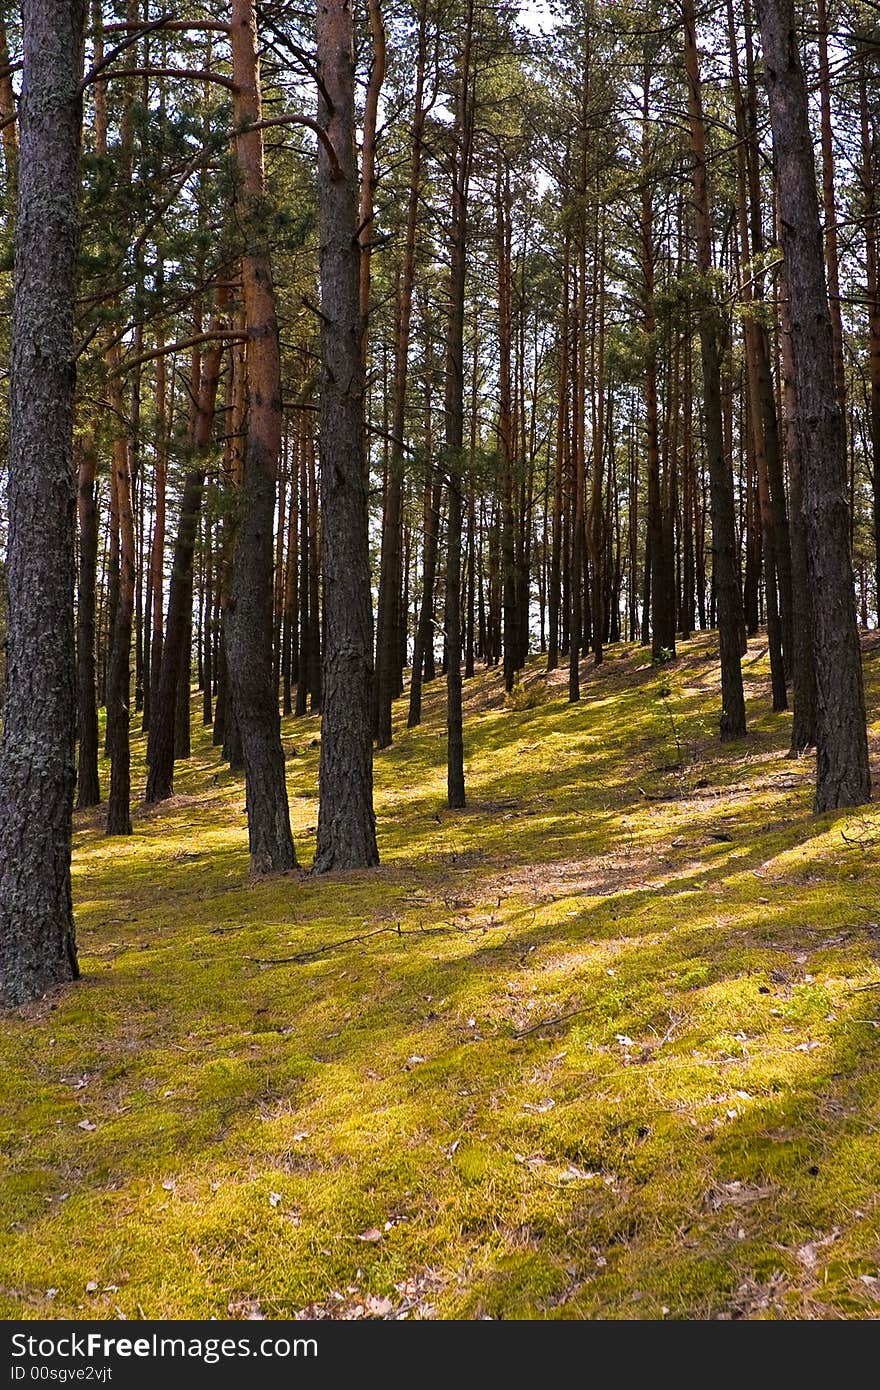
{"x": 182, "y": 740}
{"x": 88, "y": 787}
{"x": 175, "y": 646}
{"x": 869, "y": 176}
{"x": 510, "y": 640}
{"x": 119, "y": 662}
{"x": 157, "y": 547}
{"x": 454, "y": 420}
{"x": 764, "y": 369}
{"x": 249, "y": 613}
{"x": 554, "y": 578}
{"x": 725, "y": 565}
{"x": 208, "y": 629}
{"x": 842, "y": 773}
{"x": 346, "y": 823}
{"x": 316, "y": 641}
{"x": 662, "y": 622}
{"x": 423, "y": 642}
{"x": 761, "y": 405}
{"x": 302, "y": 685}
{"x": 389, "y": 610}
{"x": 803, "y": 724}
{"x": 37, "y": 945}
{"x": 289, "y": 653}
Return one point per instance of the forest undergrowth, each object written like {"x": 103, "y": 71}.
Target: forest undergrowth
{"x": 606, "y": 1044}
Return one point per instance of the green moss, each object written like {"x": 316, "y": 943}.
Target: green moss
{"x": 603, "y": 1049}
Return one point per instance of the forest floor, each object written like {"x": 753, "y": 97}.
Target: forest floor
{"x": 606, "y": 1044}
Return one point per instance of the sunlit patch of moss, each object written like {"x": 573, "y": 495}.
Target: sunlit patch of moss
{"x": 601, "y": 1045}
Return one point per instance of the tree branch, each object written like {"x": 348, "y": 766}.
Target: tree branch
{"x": 192, "y": 74}
{"x": 97, "y": 68}
{"x": 211, "y": 336}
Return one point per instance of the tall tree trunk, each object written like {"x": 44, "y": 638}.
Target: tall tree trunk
{"x": 829, "y": 208}
{"x": 662, "y": 634}
{"x": 423, "y": 642}
{"x": 506, "y": 447}
{"x": 803, "y": 672}
{"x": 119, "y": 663}
{"x": 389, "y": 611}
{"x": 302, "y": 685}
{"x": 369, "y": 175}
{"x": 724, "y": 553}
{"x": 595, "y": 514}
{"x": 758, "y": 419}
{"x": 289, "y": 650}
{"x": 175, "y": 647}
{"x": 156, "y": 586}
{"x": 37, "y": 944}
{"x": 842, "y": 775}
{"x": 554, "y": 579}
{"x": 88, "y": 787}
{"x": 869, "y": 175}
{"x": 471, "y": 562}
{"x": 764, "y": 369}
{"x": 249, "y": 611}
{"x": 346, "y": 823}
{"x": 454, "y": 415}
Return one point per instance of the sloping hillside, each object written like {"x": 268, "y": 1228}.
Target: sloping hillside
{"x": 605, "y": 1044}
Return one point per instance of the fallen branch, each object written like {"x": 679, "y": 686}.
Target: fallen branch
{"x": 318, "y": 950}
{"x": 303, "y": 957}
{"x": 549, "y": 1023}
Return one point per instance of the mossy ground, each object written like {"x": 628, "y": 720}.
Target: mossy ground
{"x": 607, "y": 1044}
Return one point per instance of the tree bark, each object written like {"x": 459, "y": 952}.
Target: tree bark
{"x": 725, "y": 565}
{"x": 249, "y": 613}
{"x": 803, "y": 674}
{"x": 763, "y": 422}
{"x": 37, "y": 943}
{"x": 174, "y": 647}
{"x": 842, "y": 771}
{"x": 389, "y": 608}
{"x": 872, "y": 293}
{"x": 88, "y": 786}
{"x": 346, "y": 823}
{"x": 506, "y": 446}
{"x": 119, "y": 662}
{"x": 453, "y": 413}
{"x": 423, "y": 642}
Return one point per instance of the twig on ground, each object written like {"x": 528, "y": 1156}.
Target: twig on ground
{"x": 549, "y": 1022}
{"x": 304, "y": 956}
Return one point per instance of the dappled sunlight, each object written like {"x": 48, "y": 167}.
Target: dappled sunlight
{"x": 598, "y": 1045}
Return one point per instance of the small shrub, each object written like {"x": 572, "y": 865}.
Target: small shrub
{"x": 524, "y": 696}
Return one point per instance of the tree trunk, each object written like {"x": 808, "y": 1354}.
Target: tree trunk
{"x": 803, "y": 674}
{"x": 88, "y": 788}
{"x": 249, "y": 613}
{"x": 346, "y": 823}
{"x": 37, "y": 944}
{"x": 454, "y": 417}
{"x": 175, "y": 647}
{"x": 119, "y": 663}
{"x": 389, "y": 611}
{"x": 506, "y": 447}
{"x": 829, "y": 209}
{"x": 842, "y": 775}
{"x": 758, "y": 417}
{"x": 724, "y": 553}
{"x": 872, "y": 294}
{"x": 423, "y": 642}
